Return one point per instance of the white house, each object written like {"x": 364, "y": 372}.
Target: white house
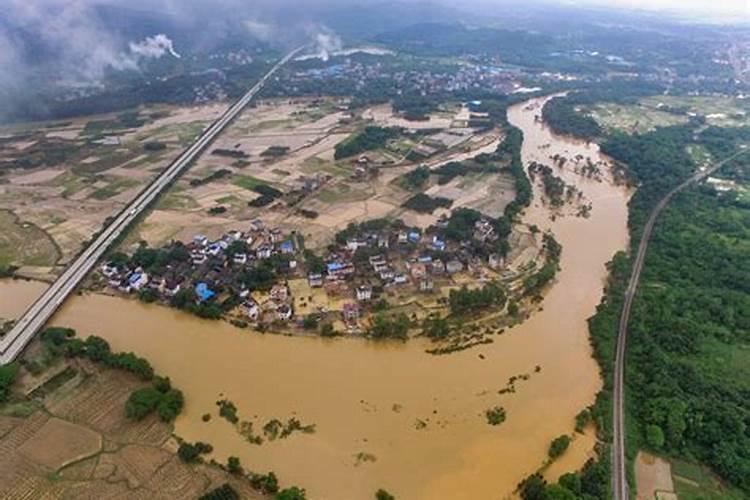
{"x": 364, "y": 292}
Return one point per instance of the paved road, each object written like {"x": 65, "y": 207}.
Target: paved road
{"x": 45, "y": 306}
{"x": 619, "y": 479}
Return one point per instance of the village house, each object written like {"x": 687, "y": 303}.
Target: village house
{"x": 400, "y": 279}
{"x": 353, "y": 244}
{"x": 203, "y": 292}
{"x": 338, "y": 269}
{"x": 426, "y": 284}
{"x": 437, "y": 267}
{"x": 240, "y": 258}
{"x": 495, "y": 261}
{"x": 383, "y": 241}
{"x": 171, "y": 287}
{"x": 417, "y": 270}
{"x": 350, "y": 312}
{"x": 287, "y": 247}
{"x": 438, "y": 244}
{"x": 264, "y": 252}
{"x": 279, "y": 293}
{"x": 315, "y": 280}
{"x": 134, "y": 282}
{"x": 111, "y": 269}
{"x": 276, "y": 235}
{"x": 386, "y": 274}
{"x": 454, "y": 266}
{"x": 200, "y": 240}
{"x": 251, "y": 309}
{"x": 284, "y": 312}
{"x": 364, "y": 293}
{"x": 483, "y": 230}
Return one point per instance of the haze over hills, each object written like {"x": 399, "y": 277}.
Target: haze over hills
{"x": 395, "y": 249}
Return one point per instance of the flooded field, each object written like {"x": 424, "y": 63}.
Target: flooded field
{"x": 387, "y": 415}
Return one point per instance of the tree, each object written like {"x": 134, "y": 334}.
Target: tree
{"x": 571, "y": 481}
{"x": 381, "y": 494}
{"x": 396, "y": 327}
{"x": 558, "y": 446}
{"x": 310, "y": 322}
{"x": 223, "y": 492}
{"x": 266, "y": 483}
{"x": 170, "y": 405}
{"x": 436, "y": 328}
{"x": 557, "y": 492}
{"x": 654, "y": 436}
{"x": 293, "y": 493}
{"x": 327, "y": 330}
{"x": 533, "y": 488}
{"x": 142, "y": 402}
{"x": 234, "y": 466}
{"x": 191, "y": 452}
{"x": 7, "y": 377}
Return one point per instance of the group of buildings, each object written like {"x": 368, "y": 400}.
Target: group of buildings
{"x": 250, "y": 270}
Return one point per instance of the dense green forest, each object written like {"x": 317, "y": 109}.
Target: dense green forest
{"x": 563, "y": 118}
{"x": 689, "y": 351}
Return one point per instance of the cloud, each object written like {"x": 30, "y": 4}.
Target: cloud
{"x": 264, "y": 32}
{"x": 154, "y": 47}
{"x": 327, "y": 43}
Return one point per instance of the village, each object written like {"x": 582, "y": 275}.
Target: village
{"x": 265, "y": 277}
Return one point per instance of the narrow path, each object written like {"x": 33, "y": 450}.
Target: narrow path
{"x": 619, "y": 477}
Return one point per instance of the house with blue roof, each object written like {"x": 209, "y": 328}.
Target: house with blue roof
{"x": 287, "y": 246}
{"x": 203, "y": 292}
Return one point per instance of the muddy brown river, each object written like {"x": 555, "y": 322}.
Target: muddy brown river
{"x": 388, "y": 415}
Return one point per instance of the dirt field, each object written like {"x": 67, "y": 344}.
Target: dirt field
{"x": 721, "y": 111}
{"x": 66, "y": 178}
{"x": 309, "y": 130}
{"x": 633, "y": 118}
{"x": 24, "y": 244}
{"x": 654, "y": 478}
{"x": 78, "y": 444}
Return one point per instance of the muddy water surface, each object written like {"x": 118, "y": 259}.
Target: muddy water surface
{"x": 389, "y": 415}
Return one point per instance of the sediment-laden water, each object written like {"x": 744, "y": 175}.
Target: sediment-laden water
{"x": 369, "y": 400}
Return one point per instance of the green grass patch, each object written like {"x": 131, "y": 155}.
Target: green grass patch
{"x": 693, "y": 482}
{"x": 247, "y": 182}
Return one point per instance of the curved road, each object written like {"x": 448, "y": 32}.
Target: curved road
{"x": 619, "y": 478}
{"x": 45, "y": 306}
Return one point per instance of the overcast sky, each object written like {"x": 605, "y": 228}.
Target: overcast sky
{"x": 720, "y": 8}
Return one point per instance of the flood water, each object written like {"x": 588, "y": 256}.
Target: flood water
{"x": 367, "y": 399}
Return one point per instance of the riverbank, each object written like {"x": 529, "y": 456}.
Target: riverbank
{"x": 419, "y": 420}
